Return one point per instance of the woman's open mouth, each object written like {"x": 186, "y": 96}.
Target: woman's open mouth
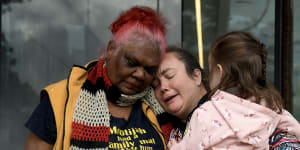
{"x": 168, "y": 99}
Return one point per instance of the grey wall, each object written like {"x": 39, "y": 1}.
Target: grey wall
{"x": 40, "y": 42}
{"x": 42, "y": 39}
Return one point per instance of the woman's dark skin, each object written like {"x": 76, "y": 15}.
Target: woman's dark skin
{"x": 130, "y": 67}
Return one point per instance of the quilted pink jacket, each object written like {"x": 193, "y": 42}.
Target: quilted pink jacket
{"x": 230, "y": 122}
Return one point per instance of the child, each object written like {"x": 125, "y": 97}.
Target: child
{"x": 243, "y": 110}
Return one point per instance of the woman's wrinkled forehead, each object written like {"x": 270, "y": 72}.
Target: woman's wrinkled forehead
{"x": 168, "y": 62}
{"x": 140, "y": 40}
{"x": 137, "y": 33}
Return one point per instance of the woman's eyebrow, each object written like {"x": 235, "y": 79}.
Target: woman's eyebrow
{"x": 164, "y": 71}
{"x": 131, "y": 58}
{"x": 137, "y": 61}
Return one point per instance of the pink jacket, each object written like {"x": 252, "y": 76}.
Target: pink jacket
{"x": 230, "y": 122}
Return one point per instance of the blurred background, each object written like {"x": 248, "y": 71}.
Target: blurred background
{"x": 41, "y": 40}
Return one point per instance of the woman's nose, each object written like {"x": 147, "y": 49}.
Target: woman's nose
{"x": 139, "y": 73}
{"x": 164, "y": 86}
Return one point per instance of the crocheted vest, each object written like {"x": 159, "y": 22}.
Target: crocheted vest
{"x": 63, "y": 97}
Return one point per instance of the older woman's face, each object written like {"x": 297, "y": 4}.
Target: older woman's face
{"x": 131, "y": 65}
{"x": 176, "y": 91}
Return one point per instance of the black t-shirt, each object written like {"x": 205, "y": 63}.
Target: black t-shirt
{"x": 135, "y": 133}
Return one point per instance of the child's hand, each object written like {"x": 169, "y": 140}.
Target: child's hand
{"x": 175, "y": 136}
{"x": 171, "y": 143}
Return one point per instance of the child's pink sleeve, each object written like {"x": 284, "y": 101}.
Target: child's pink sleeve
{"x": 204, "y": 128}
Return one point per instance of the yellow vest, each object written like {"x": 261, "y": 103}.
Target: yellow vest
{"x": 63, "y": 96}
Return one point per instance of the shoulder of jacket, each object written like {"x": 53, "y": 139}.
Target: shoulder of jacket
{"x": 56, "y": 86}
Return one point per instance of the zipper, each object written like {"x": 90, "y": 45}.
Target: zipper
{"x": 65, "y": 110}
{"x": 156, "y": 128}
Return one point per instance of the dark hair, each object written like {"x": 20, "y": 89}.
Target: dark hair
{"x": 189, "y": 61}
{"x": 243, "y": 59}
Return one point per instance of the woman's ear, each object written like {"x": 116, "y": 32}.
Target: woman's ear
{"x": 197, "y": 76}
{"x": 111, "y": 47}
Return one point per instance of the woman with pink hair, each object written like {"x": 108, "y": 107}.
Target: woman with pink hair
{"x": 107, "y": 104}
